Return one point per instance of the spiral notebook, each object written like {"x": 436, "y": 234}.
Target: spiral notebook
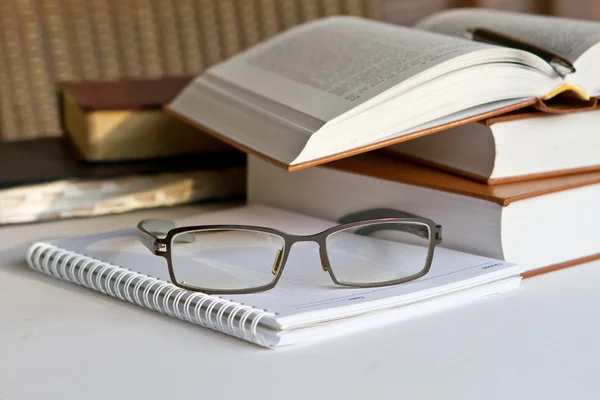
{"x": 304, "y": 306}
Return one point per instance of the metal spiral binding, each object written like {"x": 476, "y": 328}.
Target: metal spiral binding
{"x": 222, "y": 315}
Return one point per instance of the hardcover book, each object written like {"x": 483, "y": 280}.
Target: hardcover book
{"x": 123, "y": 120}
{"x": 542, "y": 224}
{"x": 521, "y": 145}
{"x": 340, "y": 86}
{"x": 40, "y": 180}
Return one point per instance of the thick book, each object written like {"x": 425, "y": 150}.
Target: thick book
{"x": 517, "y": 146}
{"x": 302, "y": 307}
{"x": 543, "y": 224}
{"x": 50, "y": 159}
{"x": 340, "y": 86}
{"x": 123, "y": 120}
{"x": 40, "y": 180}
{"x": 71, "y": 198}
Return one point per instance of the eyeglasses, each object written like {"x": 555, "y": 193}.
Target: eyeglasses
{"x": 371, "y": 248}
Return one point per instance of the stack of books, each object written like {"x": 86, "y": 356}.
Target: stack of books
{"x": 120, "y": 152}
{"x": 496, "y": 144}
{"x": 503, "y": 142}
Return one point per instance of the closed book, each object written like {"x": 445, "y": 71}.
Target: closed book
{"x": 516, "y": 146}
{"x": 123, "y": 120}
{"x": 340, "y": 86}
{"x": 542, "y": 224}
{"x": 40, "y": 181}
{"x": 49, "y": 160}
{"x": 72, "y": 198}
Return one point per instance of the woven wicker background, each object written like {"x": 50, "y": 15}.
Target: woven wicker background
{"x": 44, "y": 41}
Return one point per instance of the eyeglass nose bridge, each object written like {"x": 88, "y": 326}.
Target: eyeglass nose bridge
{"x": 319, "y": 239}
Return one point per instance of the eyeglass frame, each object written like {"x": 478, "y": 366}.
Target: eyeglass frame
{"x": 162, "y": 246}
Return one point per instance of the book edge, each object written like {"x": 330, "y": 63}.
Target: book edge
{"x": 224, "y": 139}
{"x": 559, "y": 266}
{"x": 179, "y": 82}
{"x": 494, "y": 181}
{"x": 364, "y": 165}
{"x": 360, "y": 150}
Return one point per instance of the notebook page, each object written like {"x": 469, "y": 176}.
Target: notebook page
{"x": 304, "y": 287}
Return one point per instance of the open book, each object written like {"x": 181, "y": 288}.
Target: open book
{"x": 344, "y": 85}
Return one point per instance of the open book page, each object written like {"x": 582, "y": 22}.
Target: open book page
{"x": 327, "y": 67}
{"x": 304, "y": 287}
{"x": 568, "y": 38}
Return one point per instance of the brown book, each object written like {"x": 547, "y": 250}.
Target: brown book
{"x": 123, "y": 120}
{"x": 341, "y": 86}
{"x": 390, "y": 169}
{"x": 542, "y": 224}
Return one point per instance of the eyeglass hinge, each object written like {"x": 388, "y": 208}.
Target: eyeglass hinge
{"x": 160, "y": 247}
{"x": 438, "y": 234}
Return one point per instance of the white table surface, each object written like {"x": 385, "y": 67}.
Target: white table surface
{"x": 60, "y": 341}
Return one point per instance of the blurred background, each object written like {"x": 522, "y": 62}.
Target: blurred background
{"x": 46, "y": 41}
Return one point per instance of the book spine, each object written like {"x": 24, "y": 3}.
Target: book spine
{"x": 231, "y": 318}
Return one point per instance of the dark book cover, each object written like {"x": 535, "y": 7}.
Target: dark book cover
{"x": 142, "y": 94}
{"x": 48, "y": 160}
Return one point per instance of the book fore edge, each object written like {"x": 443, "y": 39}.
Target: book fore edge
{"x": 213, "y": 312}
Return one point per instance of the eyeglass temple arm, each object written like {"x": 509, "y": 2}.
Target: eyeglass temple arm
{"x": 150, "y": 231}
{"x": 376, "y": 213}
